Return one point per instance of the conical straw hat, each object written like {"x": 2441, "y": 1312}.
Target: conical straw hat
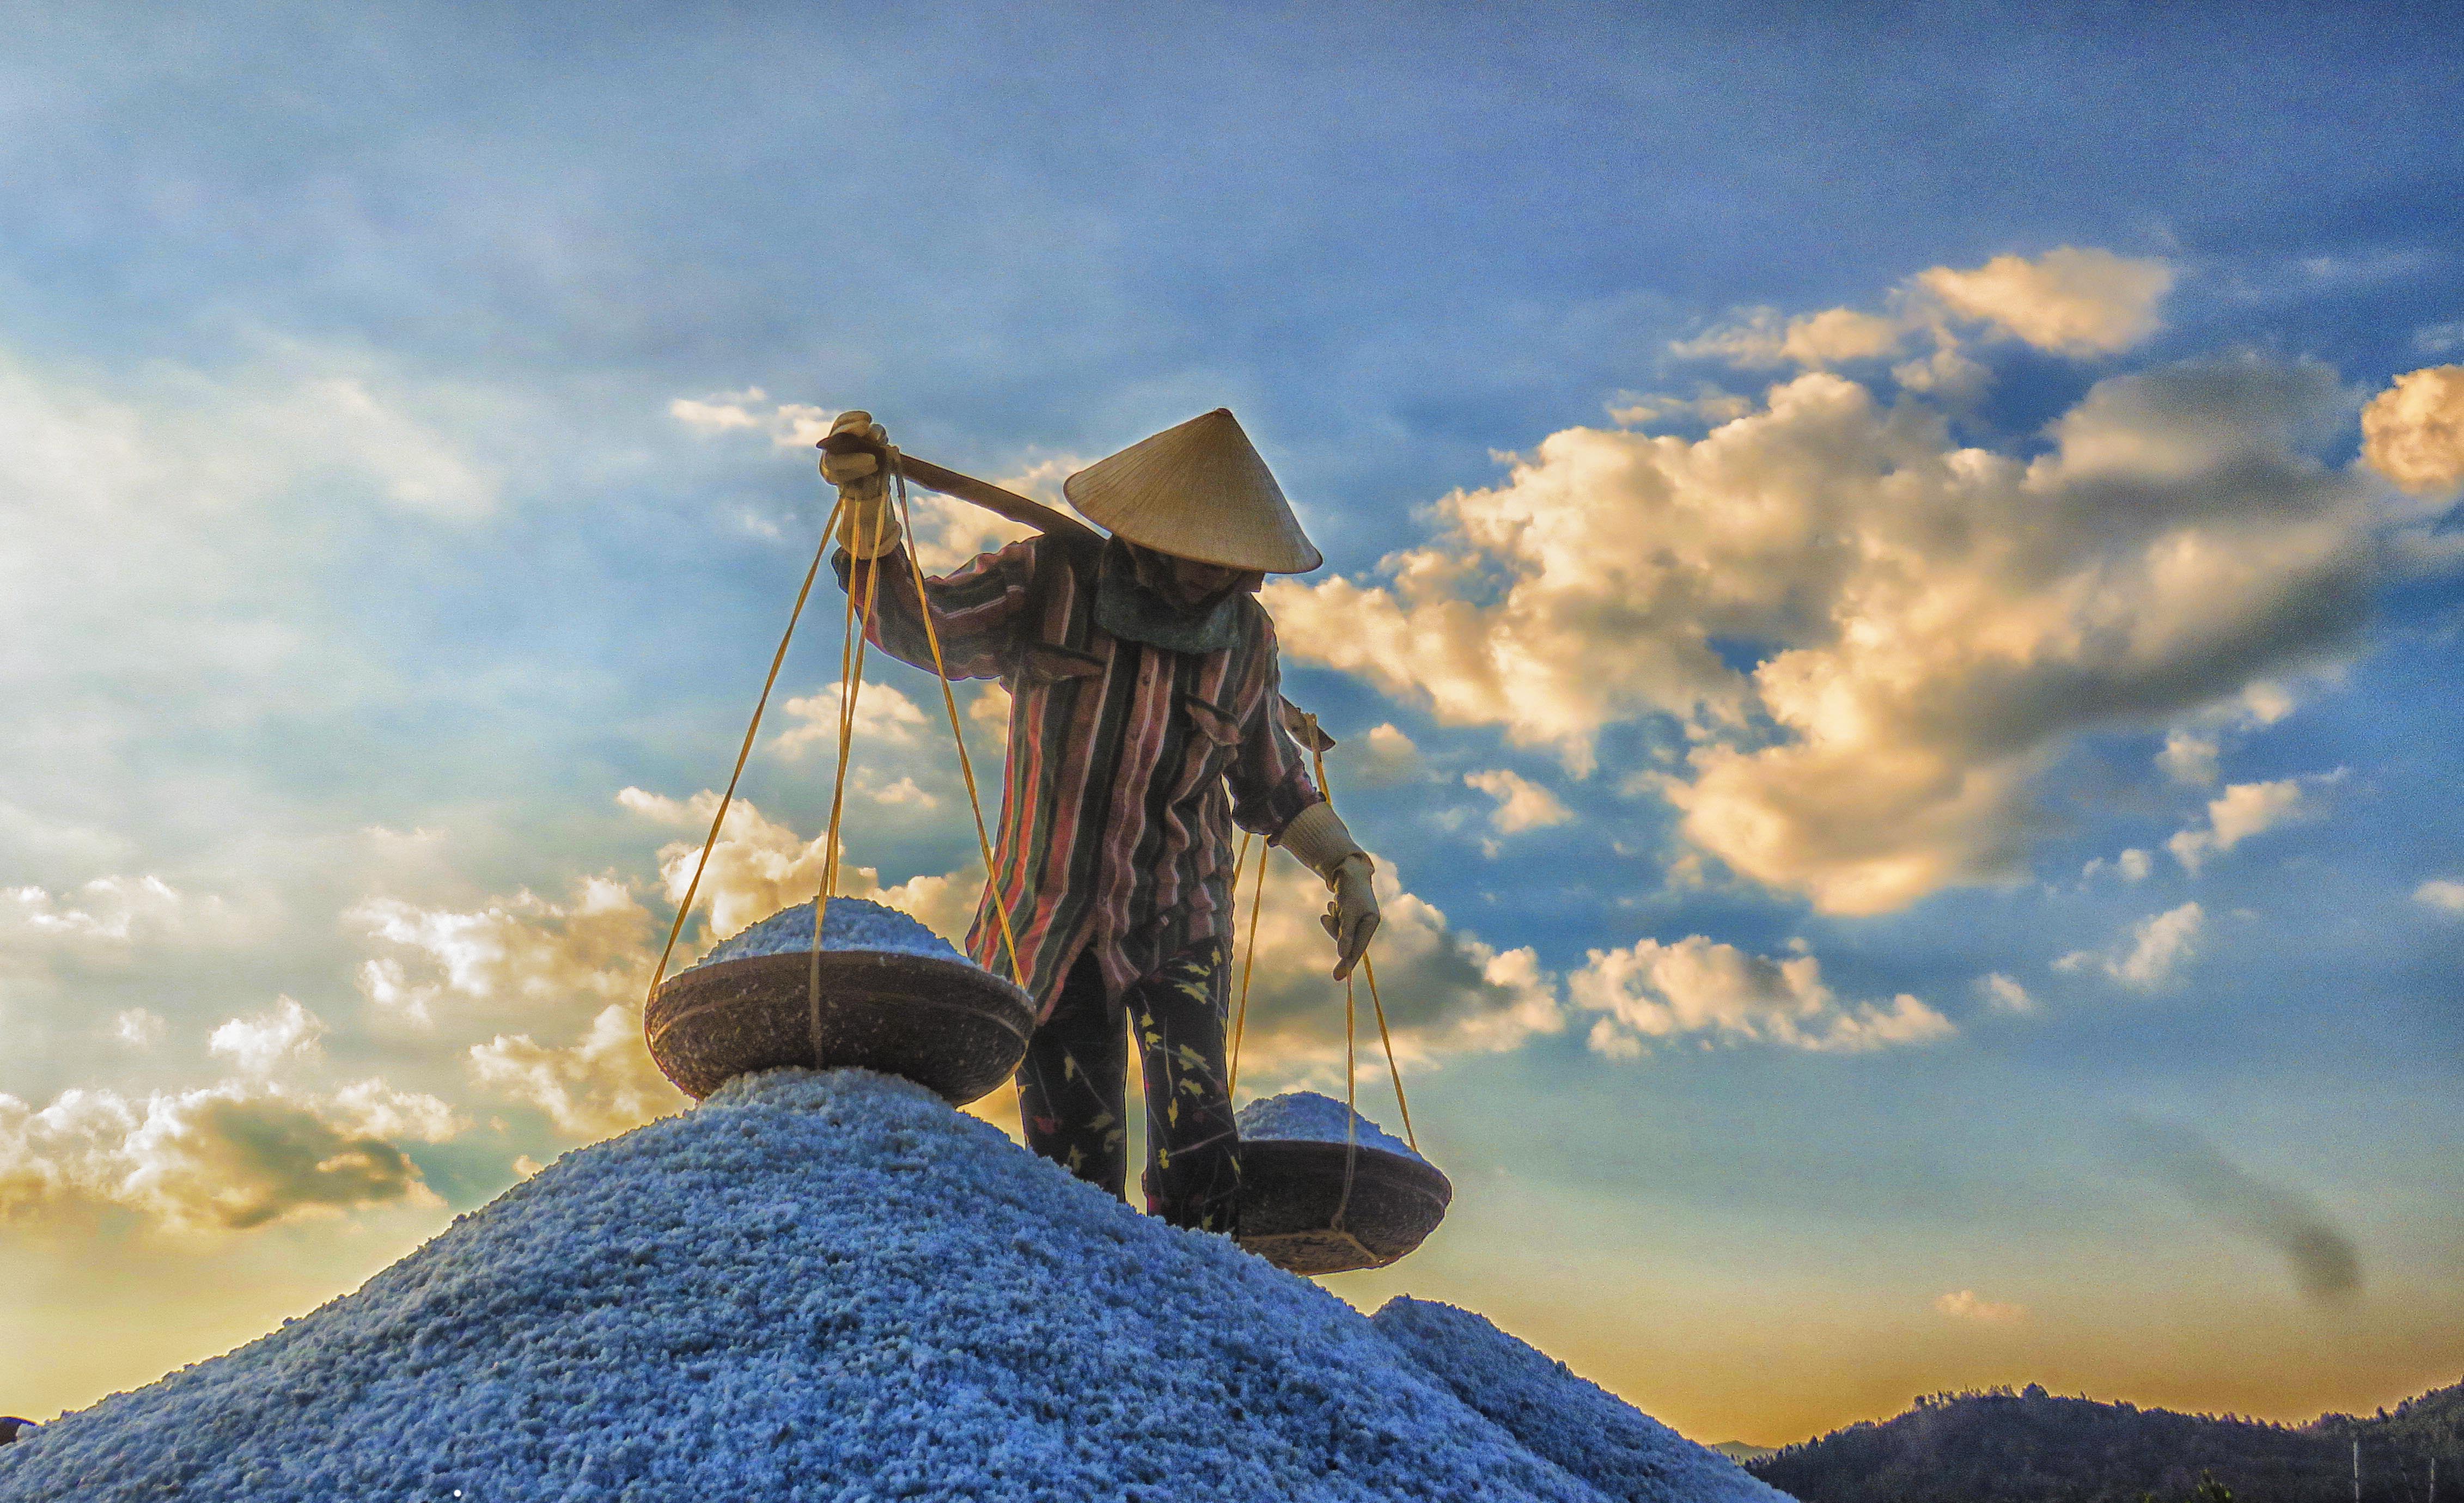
{"x": 1200, "y": 492}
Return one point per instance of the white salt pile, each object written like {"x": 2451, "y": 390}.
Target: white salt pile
{"x": 853, "y": 924}
{"x": 1307, "y": 1117}
{"x": 1590, "y": 1433}
{"x": 825, "y": 1286}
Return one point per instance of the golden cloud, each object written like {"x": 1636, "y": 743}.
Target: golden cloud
{"x": 226, "y": 1157}
{"x": 2413, "y": 431}
{"x": 1936, "y": 623}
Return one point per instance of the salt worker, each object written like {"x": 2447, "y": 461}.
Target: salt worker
{"x": 1144, "y": 685}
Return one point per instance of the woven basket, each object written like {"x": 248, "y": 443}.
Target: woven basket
{"x": 942, "y": 1023}
{"x": 1297, "y": 1214}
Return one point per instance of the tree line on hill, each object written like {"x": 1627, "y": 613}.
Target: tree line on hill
{"x": 1997, "y": 1446}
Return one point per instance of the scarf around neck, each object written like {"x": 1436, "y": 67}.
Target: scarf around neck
{"x": 1128, "y": 609}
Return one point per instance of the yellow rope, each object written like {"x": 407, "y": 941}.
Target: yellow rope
{"x": 950, "y": 699}
{"x": 743, "y": 754}
{"x": 1368, "y": 969}
{"x": 851, "y": 653}
{"x": 1351, "y": 1104}
{"x": 1318, "y": 756}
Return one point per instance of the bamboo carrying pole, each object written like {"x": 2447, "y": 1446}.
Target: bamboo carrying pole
{"x": 966, "y": 487}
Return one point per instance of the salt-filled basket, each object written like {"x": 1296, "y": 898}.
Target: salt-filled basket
{"x": 892, "y": 996}
{"x": 1325, "y": 1190}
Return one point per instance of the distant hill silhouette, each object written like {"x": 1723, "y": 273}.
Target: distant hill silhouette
{"x": 2032, "y": 1447}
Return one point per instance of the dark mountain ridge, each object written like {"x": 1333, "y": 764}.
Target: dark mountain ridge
{"x": 2032, "y": 1446}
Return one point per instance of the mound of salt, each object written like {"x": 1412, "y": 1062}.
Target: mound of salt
{"x": 1307, "y": 1117}
{"x": 1590, "y": 1433}
{"x": 814, "y": 1286}
{"x": 853, "y": 924}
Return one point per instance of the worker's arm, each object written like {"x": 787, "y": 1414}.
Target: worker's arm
{"x": 1273, "y": 795}
{"x": 1270, "y": 773}
{"x": 976, "y": 611}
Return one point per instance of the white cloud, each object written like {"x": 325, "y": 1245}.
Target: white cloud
{"x": 584, "y": 964}
{"x": 2242, "y": 811}
{"x": 1966, "y": 1305}
{"x": 787, "y": 425}
{"x": 881, "y": 714}
{"x": 522, "y": 951}
{"x": 2005, "y": 995}
{"x": 2160, "y": 946}
{"x": 1938, "y": 623}
{"x": 903, "y": 794}
{"x": 2189, "y": 757}
{"x": 2413, "y": 431}
{"x": 990, "y": 709}
{"x": 106, "y": 913}
{"x": 2069, "y": 300}
{"x": 759, "y": 867}
{"x": 1699, "y": 989}
{"x": 2192, "y": 749}
{"x": 1711, "y": 404}
{"x": 1612, "y": 1042}
{"x": 373, "y": 1107}
{"x": 1948, "y": 375}
{"x": 1757, "y": 343}
{"x": 1379, "y": 757}
{"x": 2131, "y": 865}
{"x": 1813, "y": 341}
{"x": 228, "y": 1157}
{"x": 719, "y": 414}
{"x": 1838, "y": 335}
{"x": 138, "y": 1028}
{"x": 601, "y": 1083}
{"x": 262, "y": 1044}
{"x": 2441, "y": 893}
{"x": 1521, "y": 803}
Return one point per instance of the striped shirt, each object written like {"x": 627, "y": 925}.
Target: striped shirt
{"x": 1115, "y": 827}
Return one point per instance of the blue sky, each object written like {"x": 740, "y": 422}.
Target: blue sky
{"x": 1835, "y": 484}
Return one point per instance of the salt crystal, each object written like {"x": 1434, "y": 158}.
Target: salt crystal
{"x": 853, "y": 924}
{"x": 1307, "y": 1117}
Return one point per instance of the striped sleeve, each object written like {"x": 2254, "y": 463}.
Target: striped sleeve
{"x": 1270, "y": 773}
{"x": 976, "y": 611}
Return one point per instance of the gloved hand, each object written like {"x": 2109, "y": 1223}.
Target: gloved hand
{"x": 1351, "y": 916}
{"x": 1317, "y": 835}
{"x": 867, "y": 527}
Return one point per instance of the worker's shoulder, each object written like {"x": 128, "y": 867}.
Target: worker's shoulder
{"x": 1257, "y": 623}
{"x": 1081, "y": 550}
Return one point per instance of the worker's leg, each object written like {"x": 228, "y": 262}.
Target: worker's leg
{"x": 1072, "y": 1084}
{"x": 1193, "y": 1175}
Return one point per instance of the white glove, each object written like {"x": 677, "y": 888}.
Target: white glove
{"x": 1318, "y": 838}
{"x": 1350, "y": 916}
{"x": 867, "y": 527}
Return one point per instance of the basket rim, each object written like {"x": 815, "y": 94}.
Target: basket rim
{"x": 1425, "y": 1176}
{"x": 843, "y": 960}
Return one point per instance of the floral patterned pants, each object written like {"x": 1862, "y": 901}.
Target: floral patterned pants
{"x": 1072, "y": 1088}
